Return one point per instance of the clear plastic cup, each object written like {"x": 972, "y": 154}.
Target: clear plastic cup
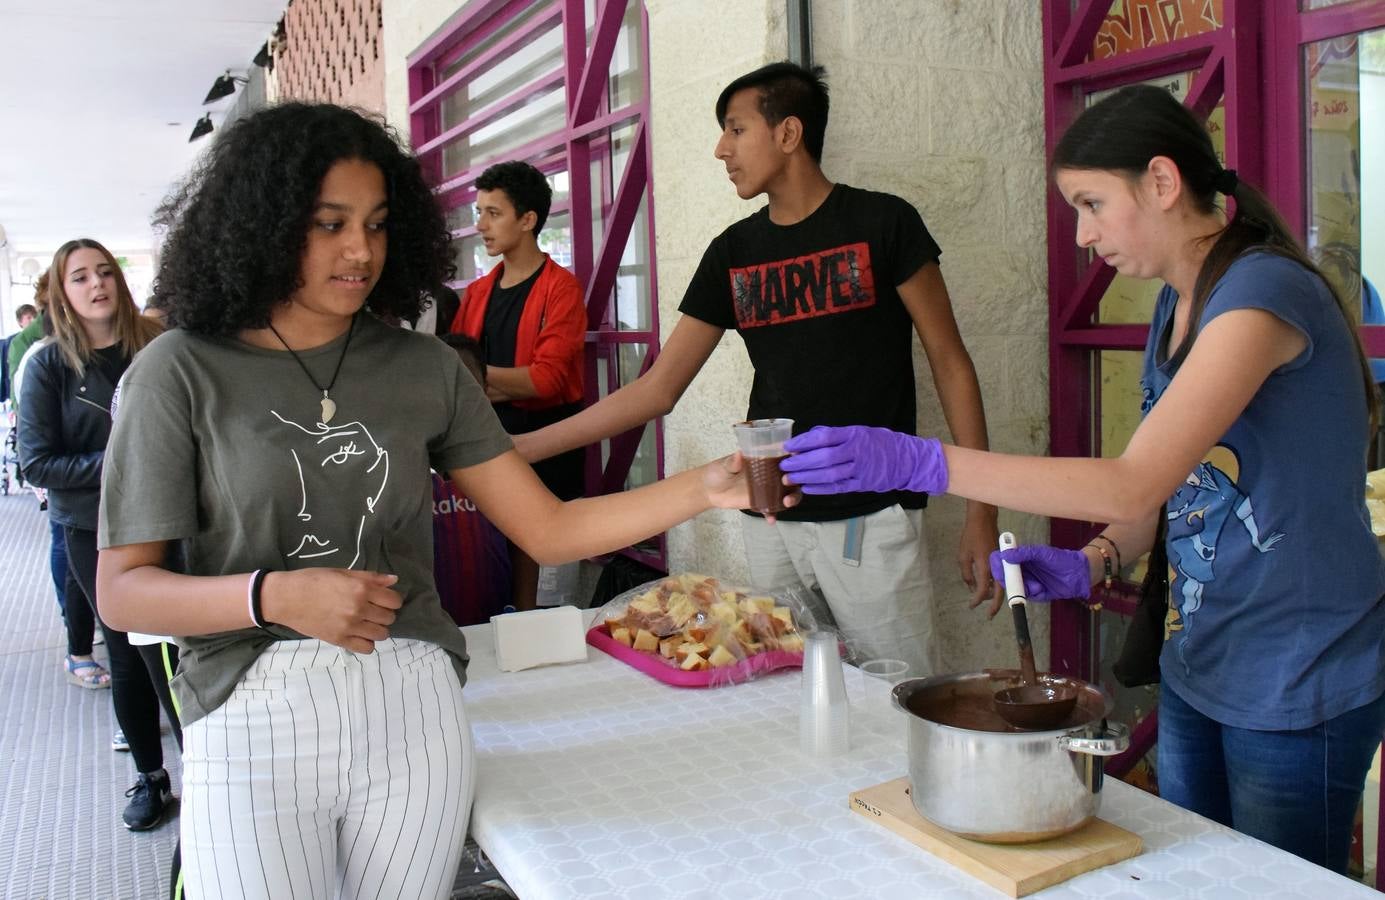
{"x": 878, "y": 677}
{"x": 824, "y": 717}
{"x": 761, "y": 442}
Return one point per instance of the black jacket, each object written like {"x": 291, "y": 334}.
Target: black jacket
{"x": 64, "y": 425}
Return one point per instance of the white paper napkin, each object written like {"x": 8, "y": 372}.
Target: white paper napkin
{"x": 539, "y": 637}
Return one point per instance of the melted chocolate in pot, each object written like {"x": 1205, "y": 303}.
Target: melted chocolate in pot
{"x": 973, "y": 707}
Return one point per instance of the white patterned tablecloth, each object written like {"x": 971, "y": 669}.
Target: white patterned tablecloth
{"x": 596, "y": 781}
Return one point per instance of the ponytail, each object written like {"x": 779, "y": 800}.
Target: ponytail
{"x": 1123, "y": 132}
{"x": 1257, "y": 225}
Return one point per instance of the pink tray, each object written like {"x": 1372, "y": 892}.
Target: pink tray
{"x": 655, "y": 666}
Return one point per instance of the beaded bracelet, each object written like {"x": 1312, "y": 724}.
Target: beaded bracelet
{"x": 1107, "y": 572}
{"x": 1114, "y": 549}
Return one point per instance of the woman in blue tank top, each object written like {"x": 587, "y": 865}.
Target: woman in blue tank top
{"x": 1258, "y": 406}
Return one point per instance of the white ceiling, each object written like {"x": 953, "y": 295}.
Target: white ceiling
{"x": 97, "y": 99}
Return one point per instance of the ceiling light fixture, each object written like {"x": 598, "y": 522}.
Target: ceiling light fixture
{"x": 202, "y": 128}
{"x": 224, "y": 86}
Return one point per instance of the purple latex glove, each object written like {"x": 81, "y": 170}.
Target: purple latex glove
{"x": 830, "y": 460}
{"x": 1050, "y": 573}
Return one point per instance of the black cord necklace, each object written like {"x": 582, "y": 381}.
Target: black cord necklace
{"x": 329, "y": 408}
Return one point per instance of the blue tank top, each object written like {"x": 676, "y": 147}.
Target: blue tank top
{"x": 1276, "y": 619}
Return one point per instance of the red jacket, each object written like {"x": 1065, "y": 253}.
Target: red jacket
{"x": 552, "y": 331}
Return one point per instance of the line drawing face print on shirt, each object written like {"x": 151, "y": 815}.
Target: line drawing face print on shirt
{"x": 338, "y": 466}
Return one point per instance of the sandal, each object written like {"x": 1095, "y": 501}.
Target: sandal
{"x": 86, "y": 673}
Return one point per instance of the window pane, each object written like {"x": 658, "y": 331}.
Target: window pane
{"x": 1118, "y": 374}
{"x": 541, "y": 114}
{"x": 469, "y": 256}
{"x": 500, "y": 34}
{"x": 1345, "y": 181}
{"x": 634, "y": 300}
{"x": 626, "y": 84}
{"x": 1137, "y": 24}
{"x": 617, "y": 366}
{"x": 610, "y": 153}
{"x": 556, "y": 239}
{"x": 461, "y": 216}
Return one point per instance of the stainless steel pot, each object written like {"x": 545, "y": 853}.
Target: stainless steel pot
{"x": 981, "y": 778}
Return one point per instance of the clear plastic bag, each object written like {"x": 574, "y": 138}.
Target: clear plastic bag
{"x": 694, "y": 631}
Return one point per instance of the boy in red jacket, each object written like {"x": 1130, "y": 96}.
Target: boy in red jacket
{"x": 529, "y": 317}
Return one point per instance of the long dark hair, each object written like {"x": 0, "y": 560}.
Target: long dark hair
{"x": 1124, "y": 131}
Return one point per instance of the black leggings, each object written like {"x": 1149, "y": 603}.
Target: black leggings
{"x": 132, "y": 684}
{"x": 78, "y": 617}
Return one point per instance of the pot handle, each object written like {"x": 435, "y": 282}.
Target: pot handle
{"x": 1115, "y": 741}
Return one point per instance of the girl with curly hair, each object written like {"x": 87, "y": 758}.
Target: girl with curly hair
{"x": 64, "y": 426}
{"x": 285, "y": 434}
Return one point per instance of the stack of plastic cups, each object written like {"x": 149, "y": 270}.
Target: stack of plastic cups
{"x": 824, "y": 722}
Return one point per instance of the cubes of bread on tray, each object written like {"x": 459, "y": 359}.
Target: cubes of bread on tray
{"x": 695, "y": 623}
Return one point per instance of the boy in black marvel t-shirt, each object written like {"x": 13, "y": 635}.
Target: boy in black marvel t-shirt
{"x": 826, "y": 285}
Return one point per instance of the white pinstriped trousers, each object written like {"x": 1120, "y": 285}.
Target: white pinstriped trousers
{"x": 330, "y": 774}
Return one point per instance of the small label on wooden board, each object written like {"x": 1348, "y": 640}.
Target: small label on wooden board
{"x": 1016, "y": 869}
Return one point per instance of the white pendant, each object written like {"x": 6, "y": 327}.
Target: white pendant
{"x": 329, "y": 409}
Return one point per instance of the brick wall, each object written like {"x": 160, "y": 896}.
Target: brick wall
{"x": 332, "y": 51}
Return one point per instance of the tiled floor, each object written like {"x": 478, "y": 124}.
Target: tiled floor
{"x": 62, "y": 789}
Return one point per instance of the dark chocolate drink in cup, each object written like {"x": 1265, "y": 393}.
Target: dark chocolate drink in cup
{"x": 762, "y": 445}
{"x": 766, "y": 483}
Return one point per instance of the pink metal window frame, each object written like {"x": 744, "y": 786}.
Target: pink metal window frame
{"x": 1254, "y": 63}
{"x": 583, "y": 75}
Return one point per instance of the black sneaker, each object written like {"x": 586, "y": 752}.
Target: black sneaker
{"x": 149, "y": 799}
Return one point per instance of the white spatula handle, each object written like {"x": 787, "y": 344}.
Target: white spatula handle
{"x": 1014, "y": 578}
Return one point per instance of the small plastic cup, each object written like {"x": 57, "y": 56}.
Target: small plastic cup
{"x": 762, "y": 444}
{"x": 879, "y": 676}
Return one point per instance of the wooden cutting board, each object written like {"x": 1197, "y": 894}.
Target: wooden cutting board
{"x": 1016, "y": 869}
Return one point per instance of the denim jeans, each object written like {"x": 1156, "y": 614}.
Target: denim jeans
{"x": 1297, "y": 790}
{"x": 57, "y": 563}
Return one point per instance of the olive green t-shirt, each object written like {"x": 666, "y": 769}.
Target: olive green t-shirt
{"x": 219, "y": 445}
